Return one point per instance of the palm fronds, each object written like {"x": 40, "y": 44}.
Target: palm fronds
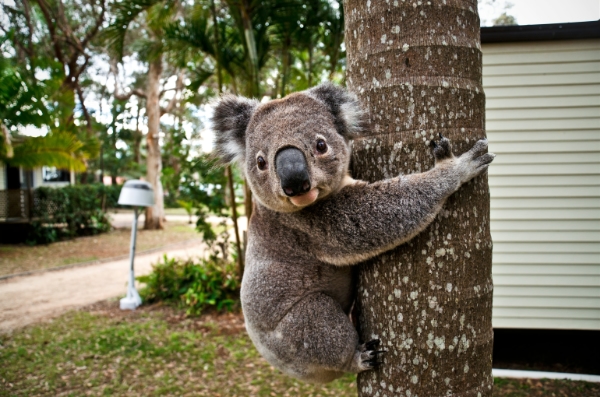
{"x": 57, "y": 149}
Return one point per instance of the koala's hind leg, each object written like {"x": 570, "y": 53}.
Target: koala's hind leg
{"x": 316, "y": 342}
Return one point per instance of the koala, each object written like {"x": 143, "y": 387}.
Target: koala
{"x": 312, "y": 222}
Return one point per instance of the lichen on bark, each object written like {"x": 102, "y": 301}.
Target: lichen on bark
{"x": 416, "y": 67}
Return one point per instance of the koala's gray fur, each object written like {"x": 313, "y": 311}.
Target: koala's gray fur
{"x": 297, "y": 289}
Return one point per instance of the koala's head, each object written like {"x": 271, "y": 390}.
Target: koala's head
{"x": 293, "y": 151}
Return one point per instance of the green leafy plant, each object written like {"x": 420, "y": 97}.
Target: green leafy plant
{"x": 188, "y": 206}
{"x": 194, "y": 286}
{"x": 70, "y": 211}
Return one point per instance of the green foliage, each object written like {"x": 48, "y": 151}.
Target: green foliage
{"x": 188, "y": 206}
{"x": 193, "y": 286}
{"x": 25, "y": 101}
{"x": 47, "y": 50}
{"x": 21, "y": 98}
{"x": 505, "y": 20}
{"x": 110, "y": 195}
{"x": 57, "y": 149}
{"x": 70, "y": 211}
{"x": 121, "y": 154}
{"x": 124, "y": 13}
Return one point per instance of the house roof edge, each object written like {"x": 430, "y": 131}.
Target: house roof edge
{"x": 553, "y": 31}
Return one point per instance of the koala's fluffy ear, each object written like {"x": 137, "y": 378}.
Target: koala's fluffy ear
{"x": 350, "y": 119}
{"x": 230, "y": 120}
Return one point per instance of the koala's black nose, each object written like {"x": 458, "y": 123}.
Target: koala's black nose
{"x": 293, "y": 171}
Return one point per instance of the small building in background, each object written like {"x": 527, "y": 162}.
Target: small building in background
{"x": 542, "y": 85}
{"x": 16, "y": 185}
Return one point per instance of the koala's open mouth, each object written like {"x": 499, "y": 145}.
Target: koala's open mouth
{"x": 306, "y": 198}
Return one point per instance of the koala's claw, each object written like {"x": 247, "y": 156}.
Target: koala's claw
{"x": 476, "y": 161}
{"x": 372, "y": 344}
{"x": 442, "y": 149}
{"x": 371, "y": 358}
{"x": 372, "y": 364}
{"x": 375, "y": 360}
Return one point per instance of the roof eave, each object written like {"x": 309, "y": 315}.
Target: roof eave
{"x": 554, "y": 31}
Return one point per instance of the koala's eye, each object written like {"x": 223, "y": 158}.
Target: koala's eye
{"x": 321, "y": 146}
{"x": 262, "y": 164}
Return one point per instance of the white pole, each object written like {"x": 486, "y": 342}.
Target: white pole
{"x": 133, "y": 299}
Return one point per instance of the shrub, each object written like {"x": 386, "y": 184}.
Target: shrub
{"x": 193, "y": 286}
{"x": 111, "y": 195}
{"x": 70, "y": 211}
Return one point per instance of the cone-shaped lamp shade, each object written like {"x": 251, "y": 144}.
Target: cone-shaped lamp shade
{"x": 137, "y": 193}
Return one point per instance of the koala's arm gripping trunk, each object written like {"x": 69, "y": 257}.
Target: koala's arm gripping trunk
{"x": 364, "y": 220}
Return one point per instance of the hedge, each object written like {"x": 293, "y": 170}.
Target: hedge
{"x": 71, "y": 211}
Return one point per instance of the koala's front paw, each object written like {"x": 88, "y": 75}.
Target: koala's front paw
{"x": 476, "y": 161}
{"x": 442, "y": 150}
{"x": 370, "y": 357}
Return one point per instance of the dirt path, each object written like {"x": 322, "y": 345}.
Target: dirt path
{"x": 28, "y": 299}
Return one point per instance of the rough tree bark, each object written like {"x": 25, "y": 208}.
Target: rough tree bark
{"x": 416, "y": 67}
{"x": 156, "y": 213}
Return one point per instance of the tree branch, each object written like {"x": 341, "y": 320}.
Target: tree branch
{"x": 27, "y": 13}
{"x": 45, "y": 8}
{"x": 96, "y": 27}
{"x": 175, "y": 99}
{"x": 123, "y": 96}
{"x": 75, "y": 71}
{"x": 166, "y": 90}
{"x": 63, "y": 24}
{"x": 86, "y": 114}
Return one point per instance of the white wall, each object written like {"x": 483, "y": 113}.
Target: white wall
{"x": 2, "y": 176}
{"x": 38, "y": 179}
{"x": 543, "y": 121}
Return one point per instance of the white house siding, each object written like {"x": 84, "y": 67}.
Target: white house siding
{"x": 543, "y": 121}
{"x": 2, "y": 176}
{"x": 38, "y": 178}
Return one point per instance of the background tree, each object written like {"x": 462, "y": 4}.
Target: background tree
{"x": 44, "y": 77}
{"x": 25, "y": 101}
{"x": 151, "y": 18}
{"x": 416, "y": 67}
{"x": 57, "y": 36}
{"x": 500, "y": 11}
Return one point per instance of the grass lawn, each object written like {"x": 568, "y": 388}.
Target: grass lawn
{"x": 23, "y": 258}
{"x": 151, "y": 352}
{"x": 156, "y": 351}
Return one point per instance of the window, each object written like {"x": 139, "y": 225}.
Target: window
{"x": 52, "y": 174}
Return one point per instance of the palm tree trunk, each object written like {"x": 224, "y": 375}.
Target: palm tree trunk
{"x": 285, "y": 64}
{"x": 310, "y": 63}
{"x": 154, "y": 214}
{"x": 253, "y": 90}
{"x": 213, "y": 12}
{"x": 137, "y": 135}
{"x": 251, "y": 45}
{"x": 229, "y": 172}
{"x": 416, "y": 67}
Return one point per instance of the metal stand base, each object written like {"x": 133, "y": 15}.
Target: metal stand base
{"x": 133, "y": 299}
